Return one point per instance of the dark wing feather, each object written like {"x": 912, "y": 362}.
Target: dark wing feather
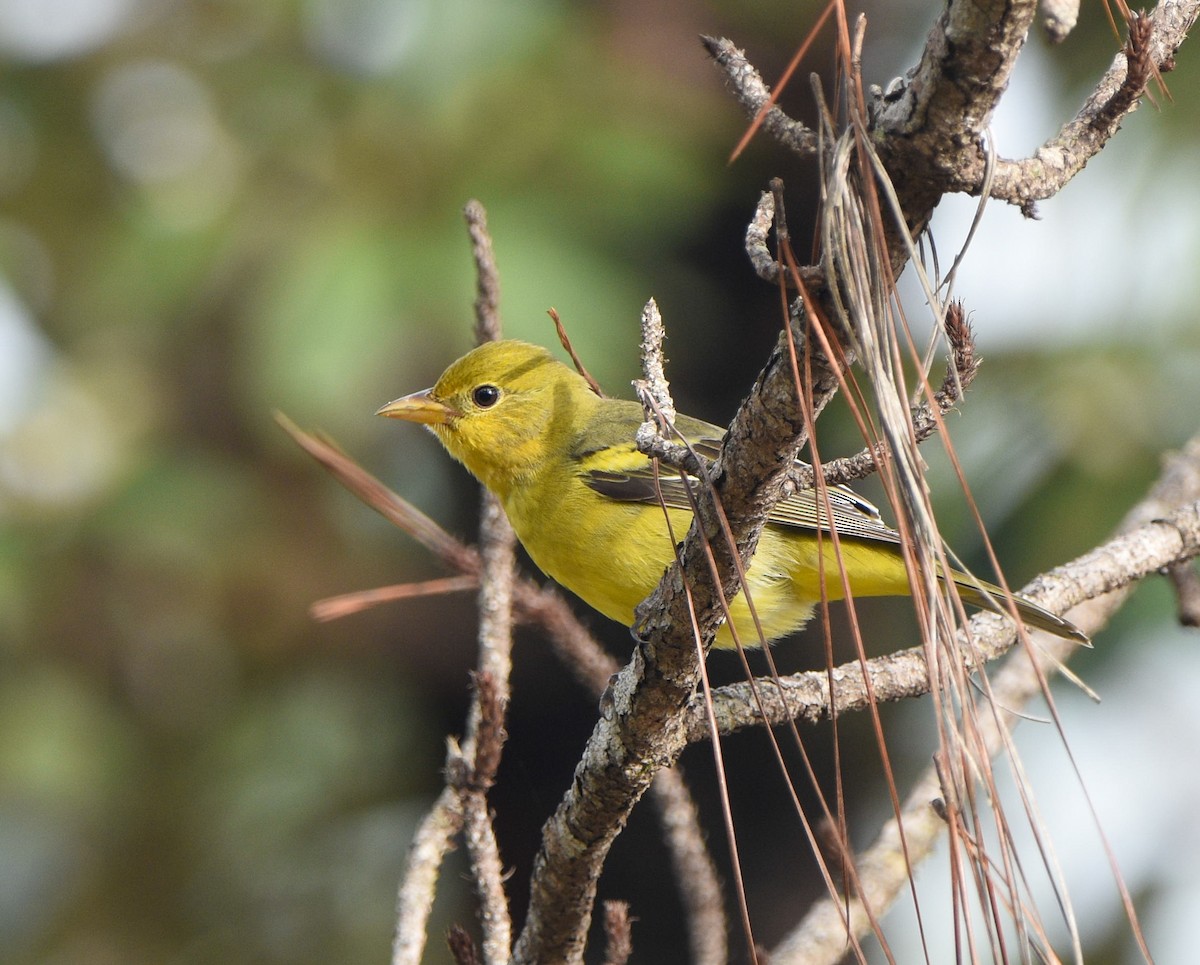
{"x": 852, "y": 515}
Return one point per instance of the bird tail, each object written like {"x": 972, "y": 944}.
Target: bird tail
{"x": 989, "y": 597}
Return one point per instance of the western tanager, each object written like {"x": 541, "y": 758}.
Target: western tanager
{"x": 585, "y": 504}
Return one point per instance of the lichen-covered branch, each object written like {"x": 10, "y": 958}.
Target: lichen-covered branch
{"x": 1165, "y": 527}
{"x": 922, "y": 132}
{"x": 418, "y": 886}
{"x": 1175, "y": 539}
{"x": 753, "y": 94}
{"x": 938, "y": 114}
{"x": 641, "y": 727}
{"x": 544, "y": 607}
{"x": 1153, "y": 42}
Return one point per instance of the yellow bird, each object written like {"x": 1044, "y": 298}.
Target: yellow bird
{"x": 583, "y": 500}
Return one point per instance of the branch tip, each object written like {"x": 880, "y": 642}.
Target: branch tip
{"x": 565, "y": 341}
{"x": 487, "y": 274}
{"x": 618, "y": 933}
{"x": 462, "y": 946}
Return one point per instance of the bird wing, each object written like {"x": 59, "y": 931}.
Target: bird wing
{"x": 625, "y": 475}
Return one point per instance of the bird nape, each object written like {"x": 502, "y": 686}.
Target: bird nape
{"x": 589, "y": 509}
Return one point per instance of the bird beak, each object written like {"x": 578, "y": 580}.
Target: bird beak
{"x": 420, "y": 407}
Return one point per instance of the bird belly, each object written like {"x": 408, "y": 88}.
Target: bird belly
{"x": 612, "y": 554}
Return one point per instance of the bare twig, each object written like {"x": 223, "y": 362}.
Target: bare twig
{"x": 753, "y": 94}
{"x": 430, "y": 845}
{"x": 821, "y": 936}
{"x": 487, "y": 873}
{"x": 701, "y": 890}
{"x": 618, "y": 933}
{"x": 565, "y": 341}
{"x": 544, "y": 607}
{"x": 484, "y": 737}
{"x": 654, "y": 436}
{"x": 472, "y": 778}
{"x": 762, "y": 258}
{"x": 499, "y": 569}
{"x": 462, "y": 946}
{"x": 1059, "y": 18}
{"x": 1186, "y": 581}
{"x": 1152, "y": 45}
{"x": 487, "y": 276}
{"x": 654, "y": 363}
{"x": 343, "y": 605}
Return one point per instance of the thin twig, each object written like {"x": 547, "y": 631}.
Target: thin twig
{"x": 701, "y": 889}
{"x": 618, "y": 933}
{"x": 471, "y": 776}
{"x": 821, "y": 936}
{"x": 345, "y": 604}
{"x": 905, "y": 673}
{"x": 484, "y": 736}
{"x": 418, "y": 885}
{"x": 653, "y": 436}
{"x": 487, "y": 872}
{"x": 752, "y": 93}
{"x": 497, "y": 553}
{"x": 654, "y": 362}
{"x": 487, "y": 275}
{"x": 565, "y": 341}
{"x": 1186, "y": 581}
{"x": 758, "y": 250}
{"x": 1152, "y": 45}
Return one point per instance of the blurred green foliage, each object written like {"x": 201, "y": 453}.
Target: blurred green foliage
{"x": 212, "y": 211}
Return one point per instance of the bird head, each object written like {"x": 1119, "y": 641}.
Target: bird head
{"x": 502, "y": 410}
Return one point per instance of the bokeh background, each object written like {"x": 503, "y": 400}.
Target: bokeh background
{"x": 213, "y": 211}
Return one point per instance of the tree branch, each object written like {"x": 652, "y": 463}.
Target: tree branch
{"x": 1122, "y": 561}
{"x": 430, "y": 845}
{"x": 1153, "y": 42}
{"x": 929, "y": 122}
{"x": 1165, "y": 527}
{"x": 545, "y": 608}
{"x": 753, "y": 94}
{"x": 641, "y": 725}
{"x": 924, "y": 131}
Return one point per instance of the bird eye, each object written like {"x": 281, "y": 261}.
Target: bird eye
{"x": 486, "y": 396}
